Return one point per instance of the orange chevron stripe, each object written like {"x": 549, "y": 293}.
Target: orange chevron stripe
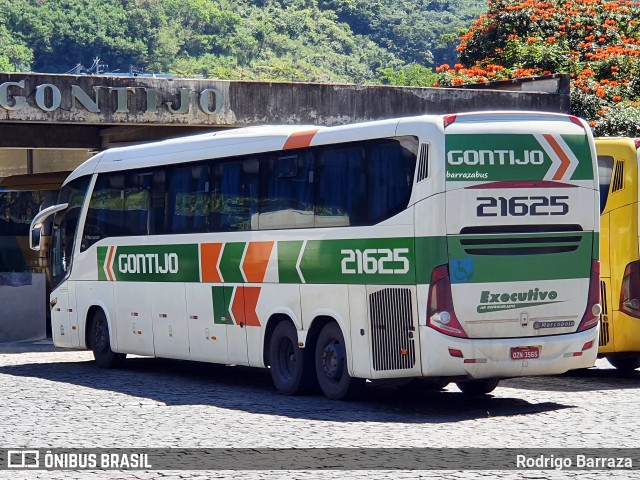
{"x": 565, "y": 162}
{"x": 209, "y": 257}
{"x": 256, "y": 260}
{"x": 251, "y": 296}
{"x": 300, "y": 139}
{"x": 237, "y": 307}
{"x": 112, "y": 250}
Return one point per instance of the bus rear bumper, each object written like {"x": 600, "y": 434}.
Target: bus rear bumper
{"x": 443, "y": 355}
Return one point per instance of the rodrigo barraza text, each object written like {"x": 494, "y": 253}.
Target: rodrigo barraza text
{"x": 547, "y": 462}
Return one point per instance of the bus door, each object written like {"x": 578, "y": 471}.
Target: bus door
{"x": 170, "y": 332}
{"x": 64, "y": 316}
{"x": 228, "y": 307}
{"x": 134, "y": 317}
{"x": 207, "y": 332}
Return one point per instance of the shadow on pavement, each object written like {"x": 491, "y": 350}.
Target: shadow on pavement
{"x": 584, "y": 380}
{"x": 250, "y": 389}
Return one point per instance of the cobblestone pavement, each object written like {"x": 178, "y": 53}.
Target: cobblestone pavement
{"x": 52, "y": 398}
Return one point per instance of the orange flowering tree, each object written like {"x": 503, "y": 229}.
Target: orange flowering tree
{"x": 596, "y": 41}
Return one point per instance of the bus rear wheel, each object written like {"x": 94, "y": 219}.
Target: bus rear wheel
{"x": 625, "y": 364}
{"x": 478, "y": 387}
{"x": 331, "y": 365}
{"x": 291, "y": 366}
{"x": 101, "y": 343}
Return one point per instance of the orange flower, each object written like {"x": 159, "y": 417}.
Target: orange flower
{"x": 617, "y": 98}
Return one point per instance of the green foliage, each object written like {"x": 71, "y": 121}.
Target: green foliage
{"x": 624, "y": 120}
{"x": 597, "y": 43}
{"x": 357, "y": 41}
{"x": 415, "y": 75}
{"x": 14, "y": 53}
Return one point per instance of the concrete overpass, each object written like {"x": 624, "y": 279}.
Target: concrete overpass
{"x": 42, "y": 111}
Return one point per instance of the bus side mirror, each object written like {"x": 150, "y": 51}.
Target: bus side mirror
{"x": 35, "y": 231}
{"x": 34, "y": 237}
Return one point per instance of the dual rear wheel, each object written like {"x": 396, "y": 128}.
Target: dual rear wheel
{"x": 292, "y": 367}
{"x": 296, "y": 370}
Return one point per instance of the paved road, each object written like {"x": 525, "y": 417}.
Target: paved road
{"x": 53, "y": 398}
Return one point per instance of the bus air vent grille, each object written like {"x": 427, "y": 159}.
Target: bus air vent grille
{"x": 423, "y": 163}
{"x": 392, "y": 343}
{"x": 521, "y": 246}
{"x": 604, "y": 316}
{"x": 618, "y": 177}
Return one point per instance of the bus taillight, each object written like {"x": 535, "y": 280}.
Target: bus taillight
{"x": 440, "y": 314}
{"x": 630, "y": 290}
{"x": 591, "y": 316}
{"x": 449, "y": 119}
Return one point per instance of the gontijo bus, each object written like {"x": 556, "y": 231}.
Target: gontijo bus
{"x": 459, "y": 248}
{"x": 620, "y": 283}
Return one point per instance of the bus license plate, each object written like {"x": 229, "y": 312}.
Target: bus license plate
{"x": 523, "y": 353}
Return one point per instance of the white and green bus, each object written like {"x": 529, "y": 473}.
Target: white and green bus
{"x": 459, "y": 248}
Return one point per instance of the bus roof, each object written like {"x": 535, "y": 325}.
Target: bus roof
{"x": 256, "y": 139}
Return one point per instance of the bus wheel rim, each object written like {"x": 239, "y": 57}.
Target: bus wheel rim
{"x": 332, "y": 361}
{"x": 101, "y": 337}
{"x": 287, "y": 358}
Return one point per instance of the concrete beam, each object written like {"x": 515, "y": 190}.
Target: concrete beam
{"x": 106, "y": 100}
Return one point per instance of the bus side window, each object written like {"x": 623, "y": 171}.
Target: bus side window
{"x": 340, "y": 193}
{"x": 137, "y": 203}
{"x": 188, "y": 199}
{"x": 234, "y": 194}
{"x": 605, "y": 170}
{"x": 286, "y": 190}
{"x": 390, "y": 168}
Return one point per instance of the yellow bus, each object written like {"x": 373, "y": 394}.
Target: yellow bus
{"x": 619, "y": 254}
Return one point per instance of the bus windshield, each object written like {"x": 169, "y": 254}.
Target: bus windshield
{"x": 65, "y": 224}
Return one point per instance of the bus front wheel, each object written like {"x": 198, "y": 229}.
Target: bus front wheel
{"x": 101, "y": 343}
{"x": 291, "y": 366}
{"x": 331, "y": 365}
{"x": 478, "y": 387}
{"x": 625, "y": 364}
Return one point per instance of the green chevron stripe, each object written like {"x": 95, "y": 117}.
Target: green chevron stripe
{"x": 221, "y": 297}
{"x": 230, "y": 262}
